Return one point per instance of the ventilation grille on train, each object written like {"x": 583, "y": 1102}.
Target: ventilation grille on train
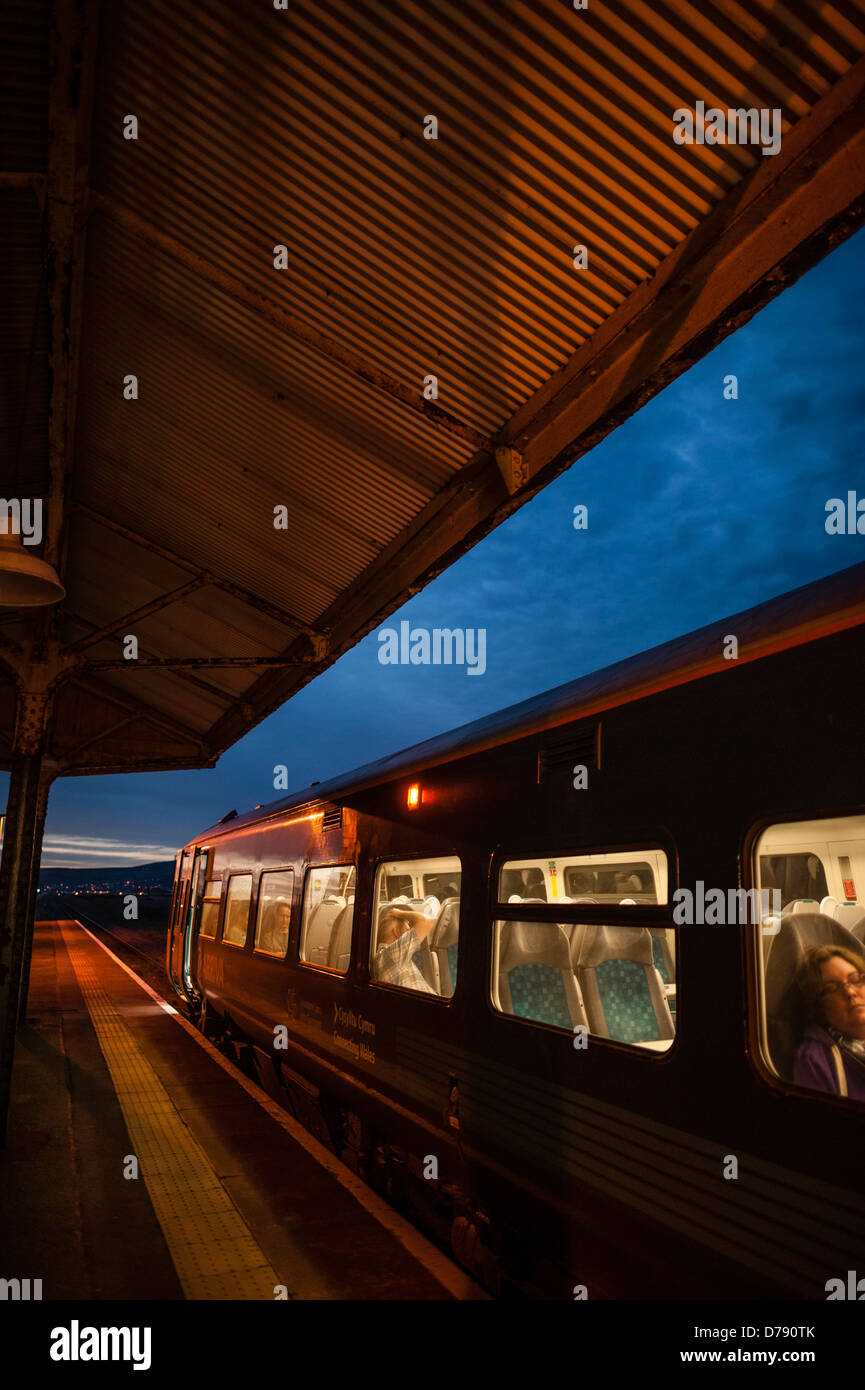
{"x": 332, "y": 820}
{"x": 565, "y": 749}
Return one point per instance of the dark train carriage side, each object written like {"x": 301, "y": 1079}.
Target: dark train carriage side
{"x": 583, "y": 1093}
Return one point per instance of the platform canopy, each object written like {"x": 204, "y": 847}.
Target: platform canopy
{"x": 282, "y": 221}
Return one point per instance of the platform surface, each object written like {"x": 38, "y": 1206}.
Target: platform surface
{"x": 232, "y": 1200}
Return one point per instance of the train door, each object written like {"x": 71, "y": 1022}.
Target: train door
{"x": 193, "y": 916}
{"x": 175, "y": 927}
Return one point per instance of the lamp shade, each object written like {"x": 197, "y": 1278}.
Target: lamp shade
{"x": 25, "y": 580}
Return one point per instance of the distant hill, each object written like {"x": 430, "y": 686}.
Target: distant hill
{"x": 113, "y": 877}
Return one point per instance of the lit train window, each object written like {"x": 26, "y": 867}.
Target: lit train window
{"x": 328, "y": 916}
{"x": 810, "y": 876}
{"x": 601, "y": 878}
{"x": 275, "y": 893}
{"x": 415, "y": 934}
{"x": 210, "y": 907}
{"x": 614, "y": 981}
{"x": 237, "y": 909}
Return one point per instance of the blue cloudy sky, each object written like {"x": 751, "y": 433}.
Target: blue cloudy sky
{"x": 698, "y": 507}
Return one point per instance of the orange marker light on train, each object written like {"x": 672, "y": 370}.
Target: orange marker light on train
{"x": 414, "y": 795}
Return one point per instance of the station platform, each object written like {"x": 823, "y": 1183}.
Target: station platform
{"x": 232, "y": 1199}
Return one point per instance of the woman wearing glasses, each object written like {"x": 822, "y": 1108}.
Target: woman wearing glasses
{"x": 831, "y": 1056}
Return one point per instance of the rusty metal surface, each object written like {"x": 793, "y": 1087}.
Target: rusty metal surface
{"x": 302, "y": 387}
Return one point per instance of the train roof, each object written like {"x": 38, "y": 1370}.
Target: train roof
{"x": 802, "y": 615}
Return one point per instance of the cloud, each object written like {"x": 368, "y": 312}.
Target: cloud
{"x": 85, "y": 852}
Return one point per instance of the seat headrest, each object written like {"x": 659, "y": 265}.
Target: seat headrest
{"x": 850, "y": 915}
{"x": 446, "y": 931}
{"x": 533, "y": 943}
{"x": 600, "y": 944}
{"x": 798, "y": 934}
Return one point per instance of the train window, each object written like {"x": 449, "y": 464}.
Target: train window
{"x": 615, "y": 878}
{"x": 616, "y": 981}
{"x": 180, "y": 888}
{"x": 328, "y": 916}
{"x": 526, "y": 882}
{"x": 237, "y": 902}
{"x": 210, "y": 907}
{"x": 275, "y": 893}
{"x": 419, "y": 955}
{"x": 392, "y": 886}
{"x": 810, "y": 876}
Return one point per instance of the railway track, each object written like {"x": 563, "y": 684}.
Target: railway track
{"x": 155, "y": 958}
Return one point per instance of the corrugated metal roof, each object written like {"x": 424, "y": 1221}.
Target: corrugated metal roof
{"x": 407, "y": 257}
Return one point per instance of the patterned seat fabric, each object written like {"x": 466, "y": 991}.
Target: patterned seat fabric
{"x": 626, "y": 1000}
{"x": 538, "y": 992}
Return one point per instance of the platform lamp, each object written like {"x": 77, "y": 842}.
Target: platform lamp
{"x": 25, "y": 580}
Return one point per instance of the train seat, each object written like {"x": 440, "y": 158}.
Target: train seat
{"x": 316, "y": 942}
{"x": 800, "y": 905}
{"x": 535, "y": 976}
{"x": 339, "y": 942}
{"x": 785, "y": 1012}
{"x": 850, "y": 915}
{"x": 624, "y": 993}
{"x": 444, "y": 943}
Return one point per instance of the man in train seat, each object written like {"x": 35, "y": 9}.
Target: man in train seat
{"x": 400, "y": 933}
{"x": 274, "y": 937}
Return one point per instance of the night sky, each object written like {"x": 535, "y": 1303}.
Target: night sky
{"x": 699, "y": 507}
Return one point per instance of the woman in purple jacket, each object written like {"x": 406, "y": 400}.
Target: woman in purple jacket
{"x": 831, "y": 1056}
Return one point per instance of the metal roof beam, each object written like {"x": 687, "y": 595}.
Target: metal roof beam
{"x": 137, "y": 615}
{"x": 353, "y": 362}
{"x": 113, "y": 696}
{"x": 270, "y": 610}
{"x": 191, "y": 662}
{"x": 102, "y": 734}
{"x": 217, "y": 691}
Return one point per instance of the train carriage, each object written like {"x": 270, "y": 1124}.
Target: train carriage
{"x": 575, "y": 1068}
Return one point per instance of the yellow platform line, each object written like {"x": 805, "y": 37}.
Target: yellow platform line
{"x": 212, "y": 1249}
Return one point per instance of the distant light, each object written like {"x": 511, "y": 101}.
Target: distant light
{"x": 414, "y": 795}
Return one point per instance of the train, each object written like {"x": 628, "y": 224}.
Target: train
{"x": 534, "y": 980}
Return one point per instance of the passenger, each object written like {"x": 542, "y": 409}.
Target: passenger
{"x": 628, "y": 883}
{"x": 274, "y": 937}
{"x": 533, "y": 885}
{"x": 831, "y": 1056}
{"x": 400, "y": 933}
